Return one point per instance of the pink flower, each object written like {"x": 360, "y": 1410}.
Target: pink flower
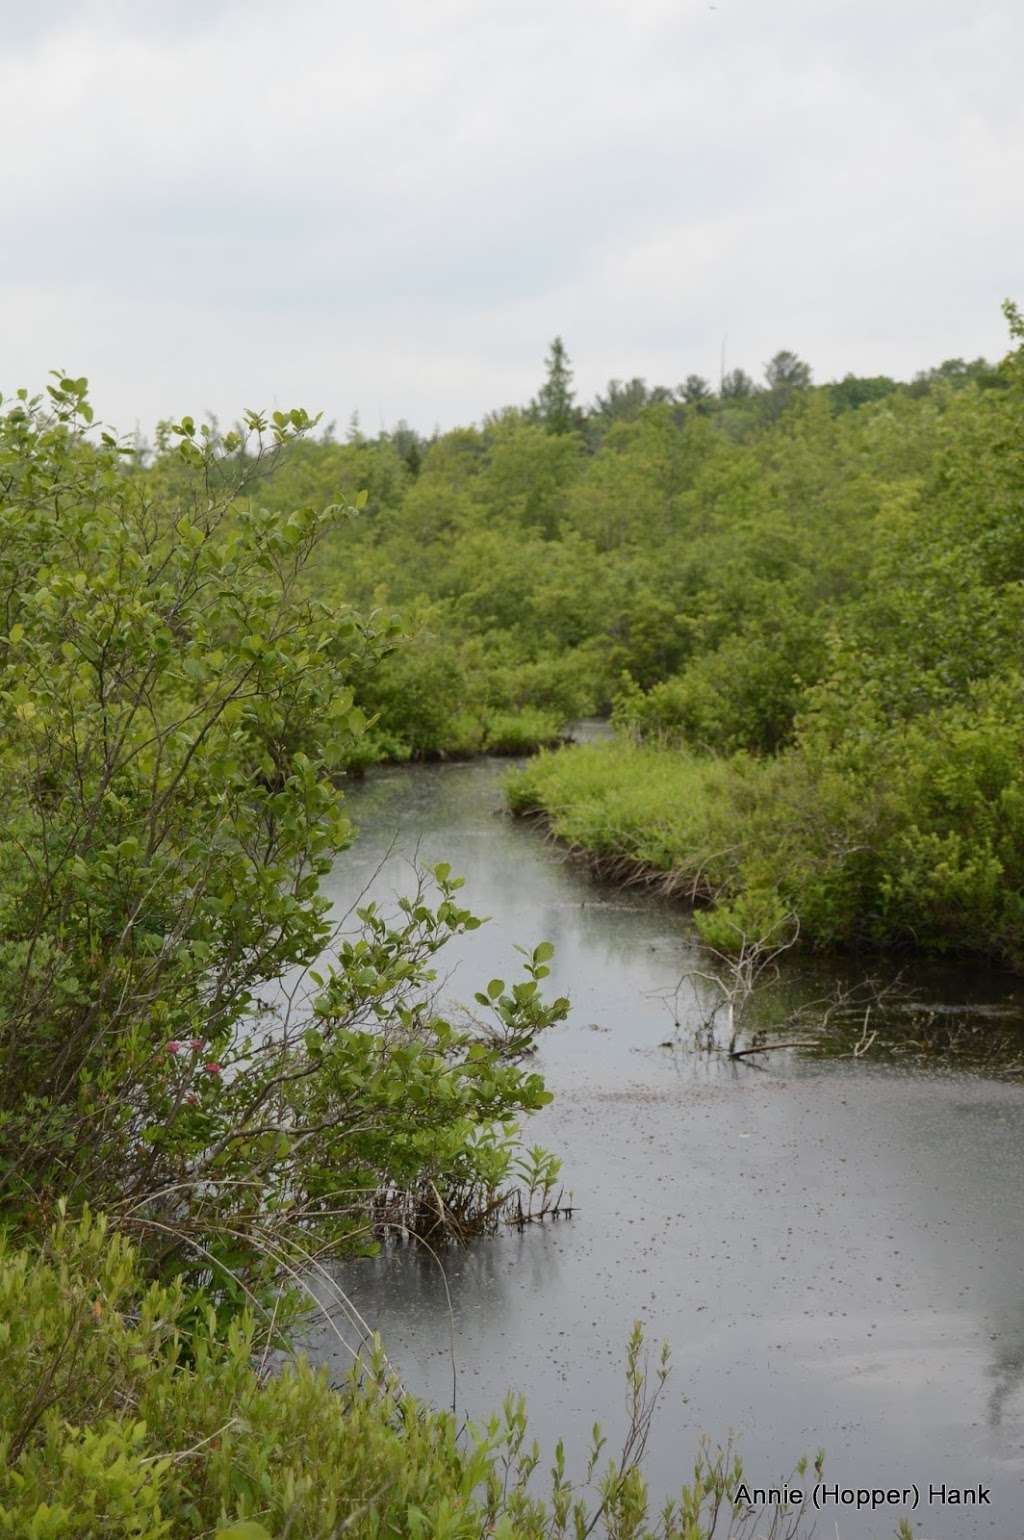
{"x": 195, "y": 1044}
{"x": 213, "y": 1068}
{"x": 174, "y": 1046}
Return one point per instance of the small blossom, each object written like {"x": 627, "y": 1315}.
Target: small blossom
{"x": 195, "y": 1044}
{"x": 191, "y": 1098}
{"x": 213, "y": 1068}
{"x": 174, "y": 1046}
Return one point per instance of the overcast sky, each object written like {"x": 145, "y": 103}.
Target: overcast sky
{"x": 393, "y": 206}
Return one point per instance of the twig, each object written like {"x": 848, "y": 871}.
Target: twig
{"x": 798, "y": 1042}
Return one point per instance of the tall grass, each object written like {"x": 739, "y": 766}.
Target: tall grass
{"x": 636, "y": 810}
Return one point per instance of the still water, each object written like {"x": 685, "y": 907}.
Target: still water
{"x": 834, "y": 1249}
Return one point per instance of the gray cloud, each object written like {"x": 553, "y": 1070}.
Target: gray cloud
{"x": 397, "y": 208}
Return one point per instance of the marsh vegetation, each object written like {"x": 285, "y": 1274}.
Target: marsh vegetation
{"x": 799, "y": 606}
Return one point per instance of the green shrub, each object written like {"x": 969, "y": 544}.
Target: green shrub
{"x": 745, "y": 694}
{"x": 126, "y": 1412}
{"x": 174, "y": 710}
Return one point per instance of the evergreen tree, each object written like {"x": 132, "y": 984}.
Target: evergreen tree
{"x": 786, "y": 371}
{"x": 737, "y": 386}
{"x": 625, "y": 401}
{"x": 785, "y": 374}
{"x": 696, "y": 391}
{"x": 554, "y": 403}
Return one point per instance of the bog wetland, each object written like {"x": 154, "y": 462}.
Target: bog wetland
{"x": 833, "y": 1246}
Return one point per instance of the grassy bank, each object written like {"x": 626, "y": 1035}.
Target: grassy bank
{"x": 913, "y": 840}
{"x": 635, "y": 811}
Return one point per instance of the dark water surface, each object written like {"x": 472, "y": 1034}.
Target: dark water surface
{"x": 835, "y": 1250}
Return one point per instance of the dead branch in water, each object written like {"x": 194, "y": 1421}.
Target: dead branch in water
{"x": 740, "y": 972}
{"x": 798, "y": 1042}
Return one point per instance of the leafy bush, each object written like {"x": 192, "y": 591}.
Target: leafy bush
{"x": 175, "y": 711}
{"x": 743, "y": 695}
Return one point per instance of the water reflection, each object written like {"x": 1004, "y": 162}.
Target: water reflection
{"x": 1007, "y": 1370}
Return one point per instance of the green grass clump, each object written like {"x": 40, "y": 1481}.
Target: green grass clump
{"x": 523, "y": 731}
{"x": 620, "y": 801}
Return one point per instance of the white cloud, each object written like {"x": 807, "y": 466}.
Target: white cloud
{"x": 396, "y": 207}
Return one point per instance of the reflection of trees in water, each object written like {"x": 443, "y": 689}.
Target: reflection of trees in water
{"x": 1007, "y": 1369}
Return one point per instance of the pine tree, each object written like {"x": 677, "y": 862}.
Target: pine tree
{"x": 786, "y": 371}
{"x": 554, "y": 403}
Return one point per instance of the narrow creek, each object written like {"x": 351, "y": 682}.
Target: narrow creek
{"x": 834, "y": 1249}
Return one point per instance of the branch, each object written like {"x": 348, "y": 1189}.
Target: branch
{"x": 797, "y": 1042}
